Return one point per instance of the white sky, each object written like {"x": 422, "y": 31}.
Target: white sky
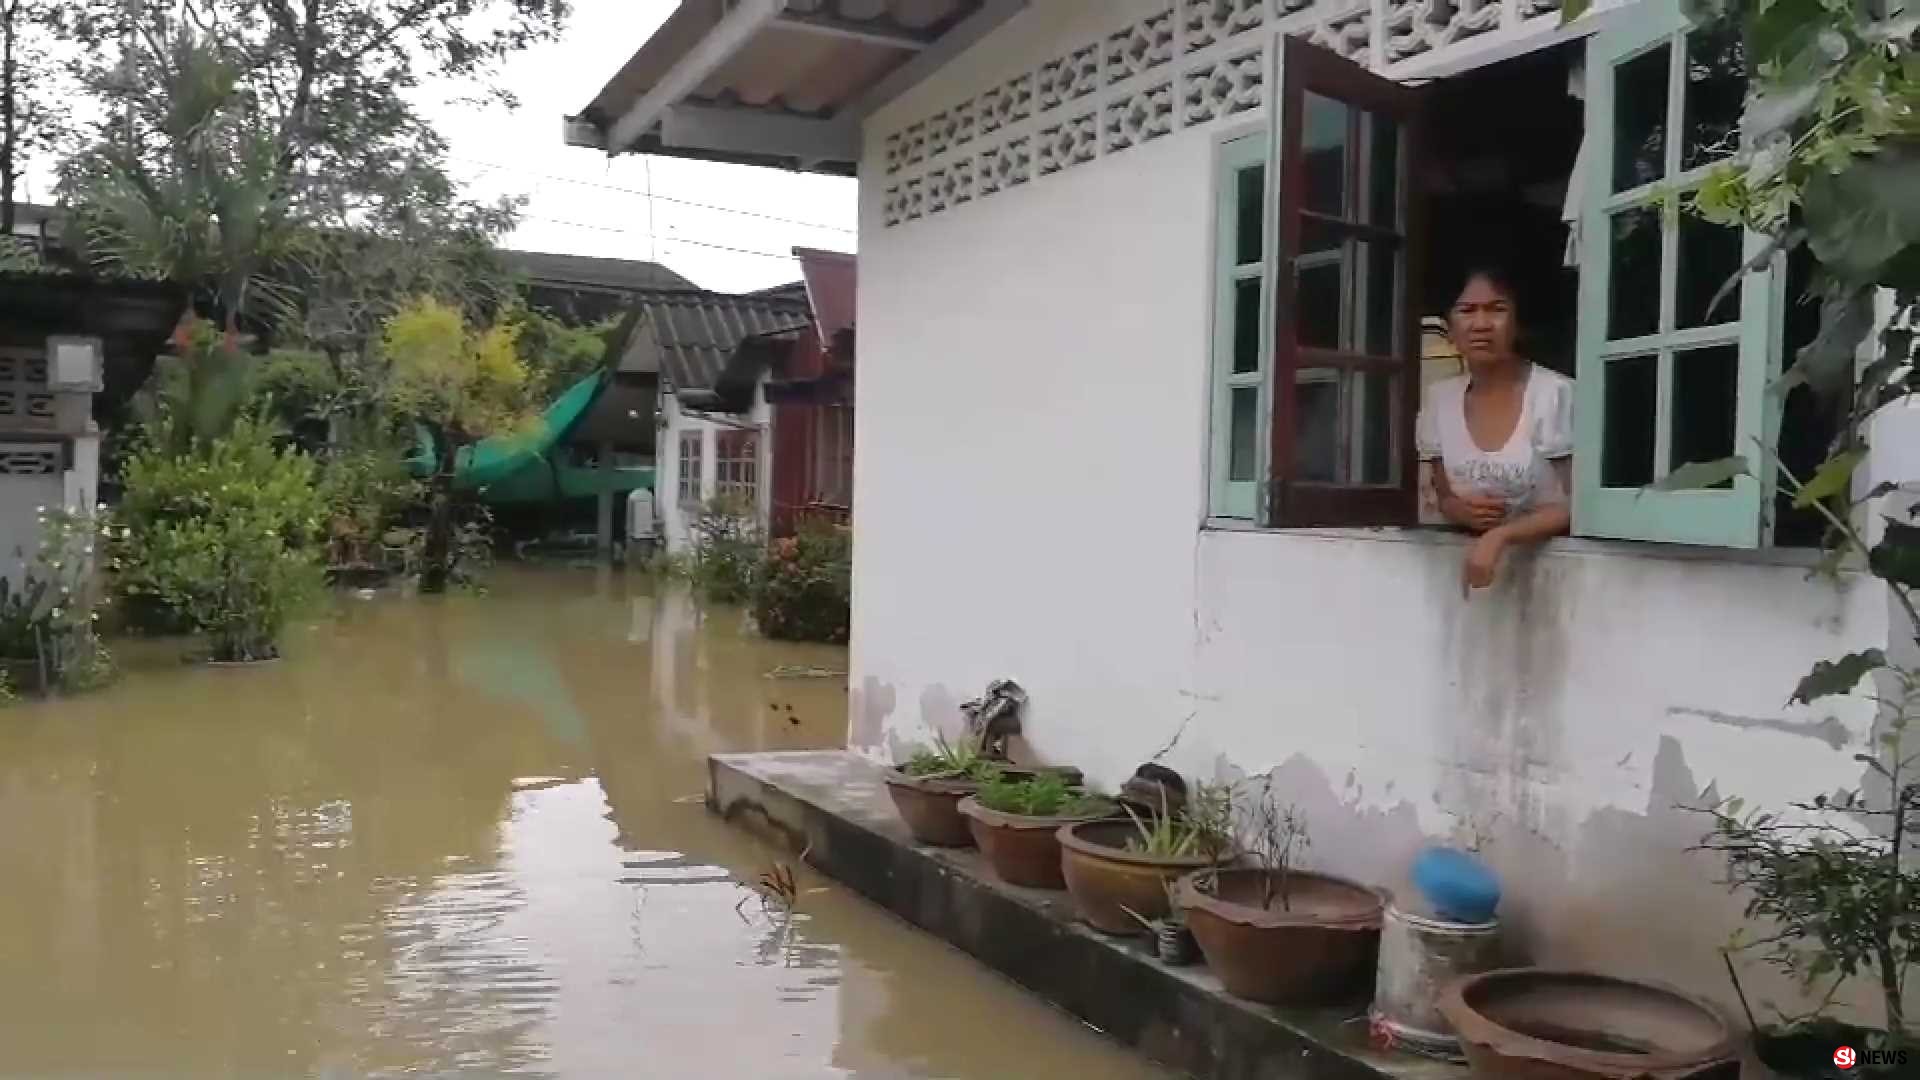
{"x": 582, "y": 203}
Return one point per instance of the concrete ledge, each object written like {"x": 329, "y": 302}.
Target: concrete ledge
{"x": 833, "y": 806}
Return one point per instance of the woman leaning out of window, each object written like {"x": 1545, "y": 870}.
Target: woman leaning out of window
{"x": 1500, "y": 437}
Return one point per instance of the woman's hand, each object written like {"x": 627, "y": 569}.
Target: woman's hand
{"x": 1475, "y": 512}
{"x": 1483, "y": 560}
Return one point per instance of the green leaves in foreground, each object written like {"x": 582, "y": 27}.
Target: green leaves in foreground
{"x": 1830, "y": 677}
{"x": 1701, "y": 474}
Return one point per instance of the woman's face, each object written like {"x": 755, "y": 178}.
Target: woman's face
{"x": 1483, "y": 324}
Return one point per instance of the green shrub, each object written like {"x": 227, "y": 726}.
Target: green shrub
{"x": 365, "y": 492}
{"x": 804, "y": 590}
{"x": 49, "y": 616}
{"x": 1044, "y": 794}
{"x": 228, "y": 535}
{"x": 727, "y": 552}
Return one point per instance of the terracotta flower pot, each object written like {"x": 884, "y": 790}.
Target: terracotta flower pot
{"x": 1107, "y": 881}
{"x": 1022, "y": 849}
{"x": 931, "y": 808}
{"x": 1535, "y": 1024}
{"x": 1319, "y": 947}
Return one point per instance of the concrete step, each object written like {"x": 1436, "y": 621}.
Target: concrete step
{"x": 833, "y": 806}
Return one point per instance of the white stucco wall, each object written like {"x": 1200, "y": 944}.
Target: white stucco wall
{"x": 1029, "y": 504}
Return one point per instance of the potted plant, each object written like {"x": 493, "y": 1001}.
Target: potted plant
{"x": 1277, "y": 934}
{"x": 1172, "y": 938}
{"x": 1117, "y": 871}
{"x": 1014, "y": 820}
{"x": 927, "y": 789}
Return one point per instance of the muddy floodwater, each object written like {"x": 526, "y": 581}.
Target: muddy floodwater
{"x": 461, "y": 837}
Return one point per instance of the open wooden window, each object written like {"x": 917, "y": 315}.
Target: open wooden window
{"x": 1346, "y": 357}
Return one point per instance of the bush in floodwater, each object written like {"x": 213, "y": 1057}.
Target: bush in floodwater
{"x": 228, "y": 535}
{"x": 727, "y": 551}
{"x": 805, "y": 588}
{"x": 49, "y": 615}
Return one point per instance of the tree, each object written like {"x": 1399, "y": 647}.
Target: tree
{"x": 236, "y": 130}
{"x": 463, "y": 384}
{"x": 31, "y": 116}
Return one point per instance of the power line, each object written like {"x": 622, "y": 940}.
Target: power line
{"x": 650, "y": 196}
{"x": 664, "y": 239}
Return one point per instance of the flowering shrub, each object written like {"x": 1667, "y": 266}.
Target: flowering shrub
{"x": 727, "y": 551}
{"x": 229, "y": 535}
{"x": 803, "y": 590}
{"x": 49, "y": 616}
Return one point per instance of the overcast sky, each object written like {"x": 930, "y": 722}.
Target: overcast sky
{"x": 582, "y": 203}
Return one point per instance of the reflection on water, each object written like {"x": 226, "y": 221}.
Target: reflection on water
{"x": 456, "y": 836}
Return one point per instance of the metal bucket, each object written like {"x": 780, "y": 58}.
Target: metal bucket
{"x": 1419, "y": 956}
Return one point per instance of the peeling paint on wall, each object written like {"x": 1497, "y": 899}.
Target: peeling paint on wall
{"x": 1828, "y": 730}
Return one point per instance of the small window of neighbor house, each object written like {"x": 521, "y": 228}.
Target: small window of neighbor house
{"x": 736, "y": 459}
{"x": 689, "y": 467}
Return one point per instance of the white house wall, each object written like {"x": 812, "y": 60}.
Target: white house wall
{"x": 1029, "y": 504}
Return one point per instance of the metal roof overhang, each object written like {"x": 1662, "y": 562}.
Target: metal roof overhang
{"x": 783, "y": 83}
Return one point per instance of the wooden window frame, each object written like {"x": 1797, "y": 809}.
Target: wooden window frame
{"x": 1233, "y": 156}
{"x": 1731, "y": 517}
{"x": 691, "y": 453}
{"x": 736, "y": 460}
{"x": 1292, "y": 502}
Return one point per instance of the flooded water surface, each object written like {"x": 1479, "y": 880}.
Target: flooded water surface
{"x": 461, "y": 836}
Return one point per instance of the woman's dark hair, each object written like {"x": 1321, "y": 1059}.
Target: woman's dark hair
{"x": 1496, "y": 274}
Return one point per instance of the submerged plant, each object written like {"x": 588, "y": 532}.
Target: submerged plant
{"x": 1044, "y": 794}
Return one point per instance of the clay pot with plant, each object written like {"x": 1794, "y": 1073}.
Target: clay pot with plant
{"x": 1118, "y": 871}
{"x": 928, "y": 787}
{"x": 1277, "y": 934}
{"x": 1014, "y": 820}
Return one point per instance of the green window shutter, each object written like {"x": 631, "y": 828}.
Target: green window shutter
{"x": 1237, "y": 459}
{"x": 1663, "y": 380}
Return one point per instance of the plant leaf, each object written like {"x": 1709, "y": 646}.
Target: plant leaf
{"x": 1830, "y": 677}
{"x": 1896, "y": 558}
{"x": 1701, "y": 474}
{"x": 1834, "y": 477}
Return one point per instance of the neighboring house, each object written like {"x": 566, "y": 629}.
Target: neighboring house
{"x": 65, "y": 338}
{"x": 1143, "y": 289}
{"x": 709, "y": 352}
{"x": 809, "y": 391}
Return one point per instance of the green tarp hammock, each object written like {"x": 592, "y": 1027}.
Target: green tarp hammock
{"x": 520, "y": 467}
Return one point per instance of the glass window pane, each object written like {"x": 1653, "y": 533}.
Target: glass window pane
{"x": 1708, "y": 255}
{"x": 1250, "y": 222}
{"x": 1246, "y": 325}
{"x": 1383, "y": 172}
{"x": 1640, "y": 119}
{"x": 1633, "y": 281}
{"x": 1316, "y": 424}
{"x": 1317, "y": 299}
{"x": 1632, "y": 394}
{"x": 1243, "y": 436}
{"x": 1705, "y": 388}
{"x": 1380, "y": 303}
{"x": 1716, "y": 93}
{"x": 1375, "y": 406}
{"x": 1324, "y": 146}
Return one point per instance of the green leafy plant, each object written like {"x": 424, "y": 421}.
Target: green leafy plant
{"x": 1044, "y": 794}
{"x": 1832, "y": 878}
{"x": 50, "y": 618}
{"x": 955, "y": 759}
{"x": 229, "y": 536}
{"x": 727, "y": 551}
{"x": 1202, "y": 828}
{"x": 803, "y": 590}
{"x": 365, "y": 492}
